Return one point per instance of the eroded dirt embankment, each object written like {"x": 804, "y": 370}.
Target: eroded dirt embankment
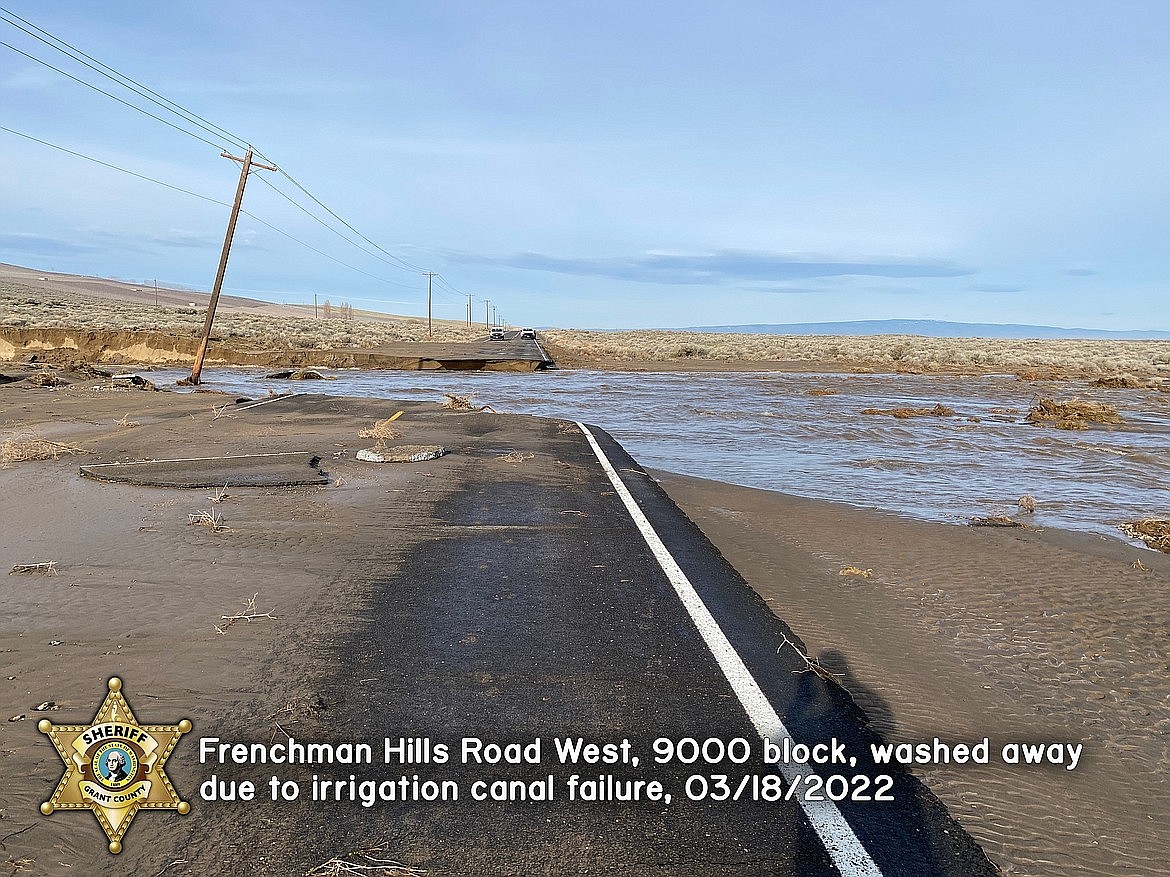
{"x": 58, "y": 345}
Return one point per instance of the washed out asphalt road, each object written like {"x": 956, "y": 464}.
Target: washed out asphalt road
{"x": 528, "y": 606}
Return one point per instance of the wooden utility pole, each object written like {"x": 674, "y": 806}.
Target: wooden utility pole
{"x": 430, "y": 276}
{"x": 487, "y": 306}
{"x": 469, "y": 310}
{"x": 246, "y": 165}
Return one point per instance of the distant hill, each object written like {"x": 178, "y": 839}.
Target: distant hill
{"x": 933, "y": 329}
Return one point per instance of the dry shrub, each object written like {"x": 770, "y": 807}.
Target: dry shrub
{"x": 822, "y": 391}
{"x": 1154, "y": 532}
{"x": 457, "y": 402}
{"x": 210, "y": 520}
{"x": 1033, "y": 374}
{"x": 29, "y": 446}
{"x": 903, "y": 413}
{"x": 382, "y": 429}
{"x": 1073, "y": 414}
{"x": 127, "y": 423}
{"x": 855, "y": 571}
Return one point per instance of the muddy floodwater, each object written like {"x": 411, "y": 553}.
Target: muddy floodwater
{"x": 805, "y": 434}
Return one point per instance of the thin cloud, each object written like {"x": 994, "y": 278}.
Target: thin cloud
{"x": 43, "y": 245}
{"x": 995, "y": 287}
{"x": 725, "y": 266}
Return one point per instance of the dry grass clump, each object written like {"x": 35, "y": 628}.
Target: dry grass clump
{"x": 1155, "y": 532}
{"x": 382, "y": 429}
{"x": 1073, "y": 414}
{"x": 371, "y": 862}
{"x": 45, "y": 568}
{"x": 903, "y": 413}
{"x": 457, "y": 402}
{"x": 29, "y": 446}
{"x": 823, "y": 391}
{"x": 210, "y": 520}
{"x": 127, "y": 423}
{"x": 516, "y": 457}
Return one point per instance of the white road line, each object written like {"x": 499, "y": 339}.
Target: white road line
{"x": 842, "y": 844}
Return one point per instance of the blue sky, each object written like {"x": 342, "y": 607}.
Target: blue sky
{"x": 613, "y": 165}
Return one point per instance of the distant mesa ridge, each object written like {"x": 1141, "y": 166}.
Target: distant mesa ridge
{"x": 934, "y": 329}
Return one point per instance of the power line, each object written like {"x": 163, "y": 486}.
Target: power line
{"x": 211, "y": 200}
{"x": 320, "y": 252}
{"x": 116, "y": 167}
{"x": 111, "y": 96}
{"x": 326, "y": 225}
{"x": 188, "y": 116}
{"x": 402, "y": 262}
{"x": 76, "y": 54}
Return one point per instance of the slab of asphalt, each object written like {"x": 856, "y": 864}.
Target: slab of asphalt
{"x": 288, "y": 469}
{"x": 528, "y": 605}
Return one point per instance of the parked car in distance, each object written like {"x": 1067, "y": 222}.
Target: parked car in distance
{"x": 528, "y": 333}
{"x": 497, "y": 334}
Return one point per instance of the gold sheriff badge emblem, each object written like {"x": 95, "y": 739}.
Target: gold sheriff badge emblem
{"x": 114, "y": 766}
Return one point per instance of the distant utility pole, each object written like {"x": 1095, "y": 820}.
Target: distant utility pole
{"x": 469, "y": 310}
{"x": 246, "y": 165}
{"x": 430, "y": 277}
{"x": 156, "y": 292}
{"x": 494, "y": 323}
{"x": 314, "y": 305}
{"x": 487, "y": 306}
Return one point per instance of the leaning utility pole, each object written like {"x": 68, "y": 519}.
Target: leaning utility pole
{"x": 430, "y": 276}
{"x": 246, "y": 165}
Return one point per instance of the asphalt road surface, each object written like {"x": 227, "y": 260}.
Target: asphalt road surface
{"x": 577, "y": 601}
{"x": 512, "y": 347}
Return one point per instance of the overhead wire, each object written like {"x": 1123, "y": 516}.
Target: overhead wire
{"x": 318, "y": 219}
{"x": 209, "y": 127}
{"x": 76, "y": 54}
{"x": 115, "y": 167}
{"x": 124, "y": 103}
{"x": 207, "y": 198}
